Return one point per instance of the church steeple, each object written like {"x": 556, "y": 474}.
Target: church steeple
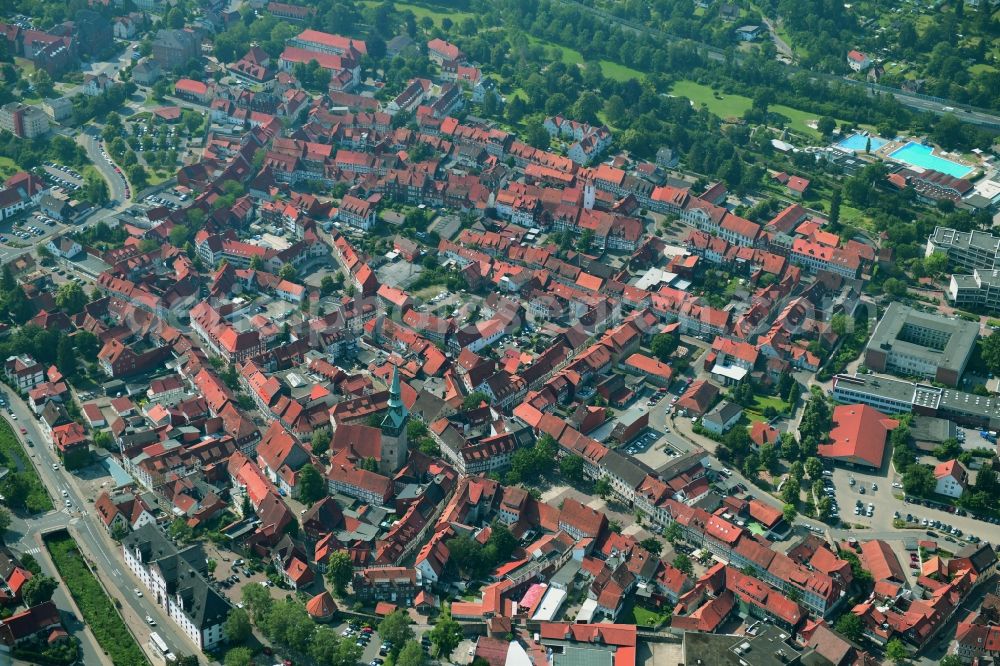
{"x": 395, "y": 419}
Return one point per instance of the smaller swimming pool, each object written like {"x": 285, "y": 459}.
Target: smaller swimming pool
{"x": 919, "y": 155}
{"x": 857, "y": 142}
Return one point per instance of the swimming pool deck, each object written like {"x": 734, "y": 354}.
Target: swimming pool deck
{"x": 885, "y": 152}
{"x": 935, "y": 152}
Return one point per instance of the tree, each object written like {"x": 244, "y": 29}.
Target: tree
{"x": 239, "y": 656}
{"x": 258, "y": 601}
{"x": 179, "y": 235}
{"x": 935, "y": 263}
{"x": 789, "y": 512}
{"x": 38, "y": 589}
{"x": 66, "y": 356}
{"x": 614, "y": 109}
{"x": 664, "y": 345}
{"x": 834, "y": 216}
{"x": 586, "y": 107}
{"x": 237, "y": 626}
{"x": 814, "y": 468}
{"x": 536, "y": 135}
{"x": 790, "y": 491}
{"x": 71, "y": 298}
{"x": 473, "y": 400}
{"x": 339, "y": 571}
{"x": 571, "y": 469}
{"x": 989, "y": 350}
{"x": 824, "y": 508}
{"x": 602, "y": 488}
{"x": 320, "y": 441}
{"x": 180, "y": 530}
{"x": 288, "y": 623}
{"x": 951, "y": 660}
{"x": 327, "y": 285}
{"x": 446, "y": 634}
{"x": 395, "y": 628}
{"x": 919, "y": 480}
{"x": 683, "y": 563}
{"x": 894, "y": 287}
{"x": 896, "y": 651}
{"x": 948, "y": 449}
{"x": 825, "y": 125}
{"x": 119, "y": 531}
{"x": 770, "y": 460}
{"x": 326, "y": 647}
{"x": 839, "y": 324}
{"x": 31, "y": 564}
{"x": 287, "y": 272}
{"x": 850, "y": 627}
{"x": 672, "y": 532}
{"x": 411, "y": 655}
{"x": 653, "y": 545}
{"x": 311, "y": 485}
{"x": 87, "y": 344}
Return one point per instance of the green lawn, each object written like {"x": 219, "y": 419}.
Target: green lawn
{"x": 24, "y": 489}
{"x": 569, "y": 56}
{"x": 762, "y": 402}
{"x": 95, "y": 604}
{"x": 566, "y": 55}
{"x": 733, "y": 106}
{"x": 613, "y": 70}
{"x": 7, "y": 166}
{"x": 644, "y": 617}
{"x": 420, "y": 12}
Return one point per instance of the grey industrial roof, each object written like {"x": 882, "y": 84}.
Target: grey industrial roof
{"x": 961, "y": 336}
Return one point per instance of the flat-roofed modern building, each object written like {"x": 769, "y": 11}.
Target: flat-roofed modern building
{"x": 911, "y": 343}
{"x": 966, "y": 250}
{"x": 895, "y": 396}
{"x": 981, "y": 290}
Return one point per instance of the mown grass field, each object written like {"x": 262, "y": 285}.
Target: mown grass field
{"x": 420, "y": 12}
{"x": 730, "y": 106}
{"x": 569, "y": 56}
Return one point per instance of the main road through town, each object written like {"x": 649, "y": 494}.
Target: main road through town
{"x": 86, "y": 527}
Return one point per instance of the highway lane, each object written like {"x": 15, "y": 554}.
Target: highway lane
{"x": 87, "y": 529}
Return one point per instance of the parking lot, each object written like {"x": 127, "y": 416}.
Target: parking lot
{"x": 885, "y": 493}
{"x": 63, "y": 176}
{"x": 174, "y": 199}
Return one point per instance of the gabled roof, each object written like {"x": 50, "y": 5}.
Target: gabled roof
{"x": 858, "y": 435}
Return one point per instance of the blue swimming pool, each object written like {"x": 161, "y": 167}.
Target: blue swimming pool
{"x": 922, "y": 156}
{"x": 858, "y": 142}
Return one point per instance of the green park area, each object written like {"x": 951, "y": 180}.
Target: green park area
{"x": 725, "y": 106}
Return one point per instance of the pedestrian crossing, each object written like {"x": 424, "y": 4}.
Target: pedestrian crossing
{"x": 32, "y": 551}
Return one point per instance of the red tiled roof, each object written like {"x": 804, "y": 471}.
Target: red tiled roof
{"x": 858, "y": 435}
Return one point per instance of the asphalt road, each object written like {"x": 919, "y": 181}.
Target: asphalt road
{"x": 87, "y": 529}
{"x": 25, "y": 538}
{"x": 91, "y": 142}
